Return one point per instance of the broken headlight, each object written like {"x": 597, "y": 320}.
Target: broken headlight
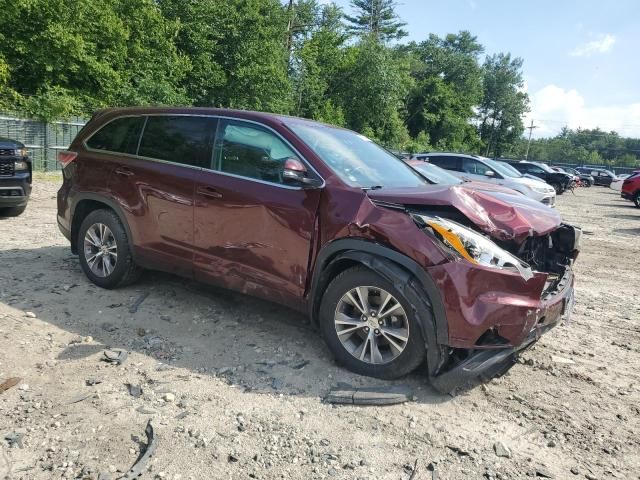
{"x": 474, "y": 247}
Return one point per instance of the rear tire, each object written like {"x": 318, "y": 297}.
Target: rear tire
{"x": 383, "y": 358}
{"x": 105, "y": 251}
{"x": 12, "y": 212}
{"x": 636, "y": 199}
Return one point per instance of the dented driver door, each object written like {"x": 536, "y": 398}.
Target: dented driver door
{"x": 253, "y": 233}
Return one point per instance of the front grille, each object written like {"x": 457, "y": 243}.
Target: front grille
{"x": 7, "y": 152}
{"x": 6, "y": 168}
{"x": 11, "y": 192}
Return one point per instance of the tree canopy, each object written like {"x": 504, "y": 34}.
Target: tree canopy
{"x": 299, "y": 57}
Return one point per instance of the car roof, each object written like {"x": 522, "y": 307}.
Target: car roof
{"x": 264, "y": 117}
{"x": 445, "y": 154}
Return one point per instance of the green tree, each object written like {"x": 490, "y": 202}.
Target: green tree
{"x": 503, "y": 104}
{"x": 237, "y": 50}
{"x": 318, "y": 55}
{"x": 373, "y": 84}
{"x": 448, "y": 85}
{"x": 68, "y": 57}
{"x": 377, "y": 18}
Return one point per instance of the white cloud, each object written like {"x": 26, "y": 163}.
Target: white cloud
{"x": 553, "y": 107}
{"x": 602, "y": 44}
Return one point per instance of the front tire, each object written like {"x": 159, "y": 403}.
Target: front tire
{"x": 370, "y": 326}
{"x": 636, "y": 199}
{"x": 105, "y": 252}
{"x": 558, "y": 188}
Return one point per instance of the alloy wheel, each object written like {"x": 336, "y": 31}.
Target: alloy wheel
{"x": 100, "y": 250}
{"x": 371, "y": 325}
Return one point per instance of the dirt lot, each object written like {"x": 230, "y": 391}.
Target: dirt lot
{"x": 236, "y": 386}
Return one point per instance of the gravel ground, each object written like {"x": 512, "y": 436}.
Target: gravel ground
{"x": 235, "y": 386}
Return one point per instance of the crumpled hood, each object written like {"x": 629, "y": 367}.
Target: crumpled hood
{"x": 501, "y": 215}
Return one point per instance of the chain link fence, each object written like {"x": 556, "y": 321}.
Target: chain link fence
{"x": 43, "y": 140}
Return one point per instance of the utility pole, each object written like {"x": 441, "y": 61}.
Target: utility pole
{"x": 290, "y": 32}
{"x": 530, "y": 128}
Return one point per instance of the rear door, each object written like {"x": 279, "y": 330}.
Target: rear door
{"x": 156, "y": 188}
{"x": 253, "y": 232}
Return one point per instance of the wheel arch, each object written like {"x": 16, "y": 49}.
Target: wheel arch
{"x": 397, "y": 268}
{"x": 85, "y": 204}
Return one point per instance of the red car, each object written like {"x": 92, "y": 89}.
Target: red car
{"x": 396, "y": 272}
{"x": 631, "y": 188}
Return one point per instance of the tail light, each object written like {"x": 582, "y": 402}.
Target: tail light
{"x": 65, "y": 157}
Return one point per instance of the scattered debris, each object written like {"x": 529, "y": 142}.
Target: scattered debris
{"x": 14, "y": 439}
{"x": 9, "y": 383}
{"x": 414, "y": 472}
{"x": 300, "y": 365}
{"x": 115, "y": 356}
{"x": 501, "y": 450}
{"x": 542, "y": 472}
{"x": 145, "y": 411}
{"x": 136, "y": 304}
{"x": 108, "y": 327}
{"x": 30, "y": 315}
{"x": 562, "y": 360}
{"x": 90, "y": 382}
{"x": 140, "y": 464}
{"x": 169, "y": 397}
{"x": 80, "y": 398}
{"x": 371, "y": 396}
{"x": 134, "y": 390}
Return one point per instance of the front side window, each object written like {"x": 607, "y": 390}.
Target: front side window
{"x": 250, "y": 151}
{"x": 120, "y": 136}
{"x": 473, "y": 167}
{"x": 179, "y": 139}
{"x": 358, "y": 161}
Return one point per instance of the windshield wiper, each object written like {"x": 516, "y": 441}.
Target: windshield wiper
{"x": 373, "y": 187}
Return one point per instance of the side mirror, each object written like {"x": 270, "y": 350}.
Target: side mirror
{"x": 295, "y": 173}
{"x": 489, "y": 173}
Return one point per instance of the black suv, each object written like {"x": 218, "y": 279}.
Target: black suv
{"x": 600, "y": 175}
{"x": 15, "y": 177}
{"x": 558, "y": 180}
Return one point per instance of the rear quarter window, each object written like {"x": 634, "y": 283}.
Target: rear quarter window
{"x": 446, "y": 162}
{"x": 120, "y": 136}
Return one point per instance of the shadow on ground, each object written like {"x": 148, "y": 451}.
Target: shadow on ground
{"x": 256, "y": 345}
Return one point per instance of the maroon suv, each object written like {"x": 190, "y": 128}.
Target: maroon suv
{"x": 395, "y": 271}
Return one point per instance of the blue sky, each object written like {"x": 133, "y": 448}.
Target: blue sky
{"x": 581, "y": 61}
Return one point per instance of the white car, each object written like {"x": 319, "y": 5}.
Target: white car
{"x": 616, "y": 184}
{"x": 482, "y": 169}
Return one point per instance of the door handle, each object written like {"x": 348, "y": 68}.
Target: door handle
{"x": 124, "y": 172}
{"x": 209, "y": 192}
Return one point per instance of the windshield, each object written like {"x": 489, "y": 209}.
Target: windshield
{"x": 435, "y": 174}
{"x": 544, "y": 167}
{"x": 354, "y": 158}
{"x": 512, "y": 172}
{"x": 501, "y": 169}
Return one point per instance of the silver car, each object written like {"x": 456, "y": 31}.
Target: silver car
{"x": 481, "y": 169}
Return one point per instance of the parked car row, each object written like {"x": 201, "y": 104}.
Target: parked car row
{"x": 482, "y": 169}
{"x": 400, "y": 265}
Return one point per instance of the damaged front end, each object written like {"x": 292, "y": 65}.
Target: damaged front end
{"x": 500, "y": 295}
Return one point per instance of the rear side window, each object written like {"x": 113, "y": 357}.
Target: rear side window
{"x": 120, "y": 136}
{"x": 446, "y": 162}
{"x": 179, "y": 139}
